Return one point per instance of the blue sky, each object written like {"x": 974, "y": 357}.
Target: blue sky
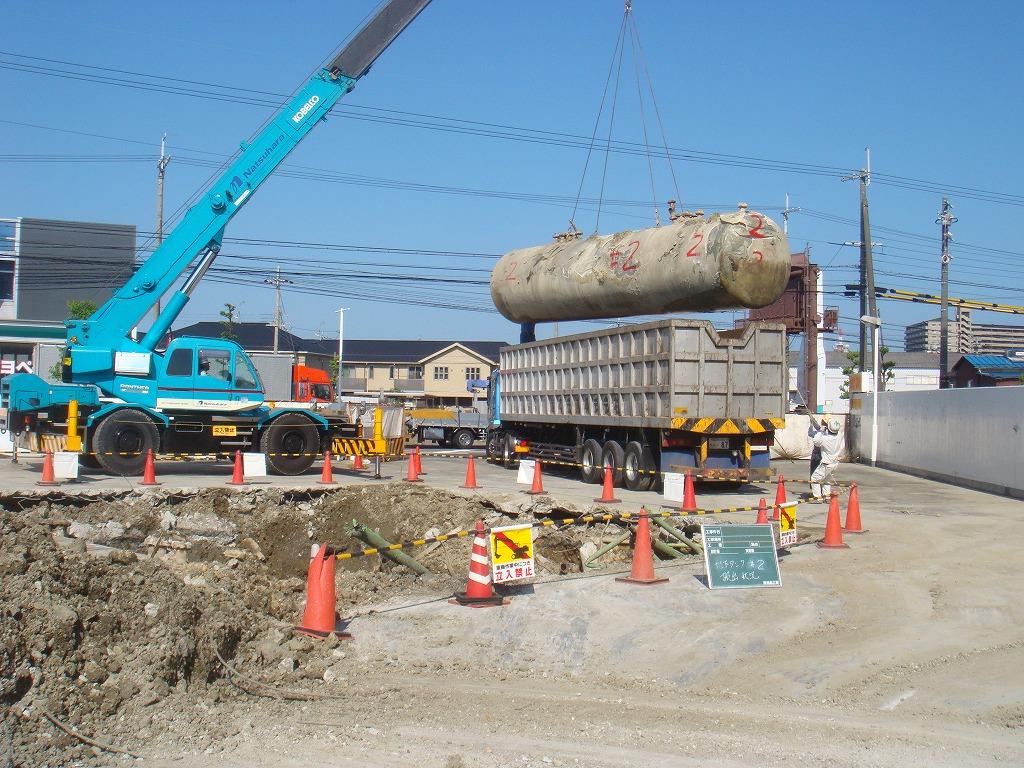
{"x": 928, "y": 87}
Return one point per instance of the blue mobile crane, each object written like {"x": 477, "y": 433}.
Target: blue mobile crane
{"x": 122, "y": 397}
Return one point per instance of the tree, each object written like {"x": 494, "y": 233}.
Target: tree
{"x": 78, "y": 309}
{"x": 886, "y": 374}
{"x": 81, "y": 309}
{"x": 334, "y": 367}
{"x": 227, "y": 325}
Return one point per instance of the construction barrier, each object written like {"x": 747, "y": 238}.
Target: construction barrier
{"x": 626, "y": 517}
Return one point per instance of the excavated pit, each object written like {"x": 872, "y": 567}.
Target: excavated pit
{"x": 116, "y": 605}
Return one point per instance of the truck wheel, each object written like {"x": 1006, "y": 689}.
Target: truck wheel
{"x": 291, "y": 444}
{"x": 463, "y": 438}
{"x": 509, "y": 457}
{"x": 591, "y": 469}
{"x": 495, "y": 445}
{"x": 612, "y": 456}
{"x": 122, "y": 440}
{"x": 637, "y": 467}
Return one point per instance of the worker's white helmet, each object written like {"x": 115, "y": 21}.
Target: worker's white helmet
{"x": 833, "y": 425}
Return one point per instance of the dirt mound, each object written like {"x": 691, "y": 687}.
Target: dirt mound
{"x": 115, "y": 608}
{"x": 93, "y": 640}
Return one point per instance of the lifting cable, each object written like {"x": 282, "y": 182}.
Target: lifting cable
{"x": 597, "y": 125}
{"x": 627, "y": 25}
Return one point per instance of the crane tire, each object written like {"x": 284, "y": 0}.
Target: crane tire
{"x": 122, "y": 439}
{"x": 291, "y": 444}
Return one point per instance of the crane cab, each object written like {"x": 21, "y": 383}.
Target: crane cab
{"x": 207, "y": 375}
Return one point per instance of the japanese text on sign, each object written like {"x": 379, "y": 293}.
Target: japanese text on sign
{"x": 740, "y": 556}
{"x": 512, "y": 553}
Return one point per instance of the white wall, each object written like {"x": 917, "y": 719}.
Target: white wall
{"x": 904, "y": 380}
{"x": 972, "y": 437}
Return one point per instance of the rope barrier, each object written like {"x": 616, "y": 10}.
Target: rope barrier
{"x": 434, "y": 456}
{"x": 548, "y": 523}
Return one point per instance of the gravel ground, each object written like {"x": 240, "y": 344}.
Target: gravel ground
{"x": 907, "y": 648}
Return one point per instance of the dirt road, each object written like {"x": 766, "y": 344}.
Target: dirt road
{"x": 906, "y": 649}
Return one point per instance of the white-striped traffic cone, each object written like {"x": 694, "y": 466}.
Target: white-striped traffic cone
{"x": 479, "y": 590}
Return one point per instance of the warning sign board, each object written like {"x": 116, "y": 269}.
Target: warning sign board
{"x": 512, "y": 553}
{"x": 787, "y": 525}
{"x": 787, "y": 517}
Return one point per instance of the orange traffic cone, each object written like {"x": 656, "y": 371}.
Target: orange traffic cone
{"x": 538, "y": 481}
{"x": 833, "y": 530}
{"x": 358, "y": 463}
{"x": 470, "y": 475}
{"x": 479, "y": 590}
{"x": 643, "y": 557}
{"x": 48, "y": 478}
{"x": 419, "y": 462}
{"x": 780, "y": 491}
{"x": 608, "y": 491}
{"x": 238, "y": 474}
{"x": 689, "y": 496}
{"x": 411, "y": 475}
{"x": 762, "y": 512}
{"x": 327, "y": 475}
{"x": 853, "y": 512}
{"x": 320, "y": 618}
{"x": 149, "y": 470}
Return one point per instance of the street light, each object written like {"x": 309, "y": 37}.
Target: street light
{"x": 876, "y": 326}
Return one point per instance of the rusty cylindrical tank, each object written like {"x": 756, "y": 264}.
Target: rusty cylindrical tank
{"x": 696, "y": 263}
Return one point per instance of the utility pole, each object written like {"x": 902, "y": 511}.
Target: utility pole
{"x": 945, "y": 219}
{"x": 785, "y": 215}
{"x": 277, "y": 282}
{"x": 161, "y": 167}
{"x": 867, "y": 269}
{"x": 341, "y": 347}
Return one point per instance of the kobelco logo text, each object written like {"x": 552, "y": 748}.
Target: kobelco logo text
{"x": 313, "y": 101}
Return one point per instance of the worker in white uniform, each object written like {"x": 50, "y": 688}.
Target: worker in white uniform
{"x": 827, "y": 440}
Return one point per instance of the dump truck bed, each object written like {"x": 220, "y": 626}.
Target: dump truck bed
{"x": 663, "y": 374}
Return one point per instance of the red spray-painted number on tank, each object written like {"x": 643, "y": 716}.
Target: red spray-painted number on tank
{"x": 698, "y": 238}
{"x": 623, "y": 261}
{"x": 511, "y": 276}
{"x": 756, "y": 231}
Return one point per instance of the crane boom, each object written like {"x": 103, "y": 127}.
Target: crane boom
{"x": 201, "y": 230}
{"x": 120, "y": 400}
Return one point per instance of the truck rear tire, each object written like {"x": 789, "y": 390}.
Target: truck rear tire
{"x": 463, "y": 438}
{"x": 122, "y": 440}
{"x": 637, "y": 467}
{"x": 291, "y": 443}
{"x": 509, "y": 457}
{"x": 612, "y": 456}
{"x": 591, "y": 469}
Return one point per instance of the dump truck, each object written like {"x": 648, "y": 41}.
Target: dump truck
{"x": 673, "y": 395}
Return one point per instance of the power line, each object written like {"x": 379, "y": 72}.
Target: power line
{"x": 220, "y": 92}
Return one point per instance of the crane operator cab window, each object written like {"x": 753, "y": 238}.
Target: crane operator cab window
{"x": 215, "y": 363}
{"x": 180, "y": 363}
{"x": 245, "y": 378}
